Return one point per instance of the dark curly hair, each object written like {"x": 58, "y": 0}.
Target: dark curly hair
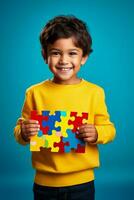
{"x": 65, "y": 27}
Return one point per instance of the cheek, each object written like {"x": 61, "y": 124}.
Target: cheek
{"x": 52, "y": 61}
{"x": 77, "y": 62}
{"x": 49, "y": 60}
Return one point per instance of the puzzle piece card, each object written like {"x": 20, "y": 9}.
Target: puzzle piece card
{"x": 58, "y": 131}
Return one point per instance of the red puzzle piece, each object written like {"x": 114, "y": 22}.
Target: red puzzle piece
{"x": 80, "y": 149}
{"x": 61, "y": 145}
{"x": 78, "y": 121}
{"x": 40, "y": 118}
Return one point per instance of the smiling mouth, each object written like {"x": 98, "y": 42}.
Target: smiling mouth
{"x": 64, "y": 68}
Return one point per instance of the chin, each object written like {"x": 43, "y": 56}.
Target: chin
{"x": 64, "y": 79}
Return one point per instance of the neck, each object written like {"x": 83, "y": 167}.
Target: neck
{"x": 67, "y": 82}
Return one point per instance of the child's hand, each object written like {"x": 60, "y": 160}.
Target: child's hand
{"x": 88, "y": 133}
{"x": 29, "y": 128}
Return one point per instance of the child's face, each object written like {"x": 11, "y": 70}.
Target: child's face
{"x": 64, "y": 60}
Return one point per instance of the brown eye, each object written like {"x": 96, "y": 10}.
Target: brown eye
{"x": 72, "y": 53}
{"x": 55, "y": 53}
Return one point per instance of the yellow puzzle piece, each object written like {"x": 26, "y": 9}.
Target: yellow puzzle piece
{"x": 36, "y": 142}
{"x": 64, "y": 123}
{"x": 50, "y": 139}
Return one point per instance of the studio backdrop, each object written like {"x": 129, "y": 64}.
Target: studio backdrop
{"x": 111, "y": 65}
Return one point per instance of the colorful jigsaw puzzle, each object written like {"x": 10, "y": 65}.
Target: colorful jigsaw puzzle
{"x": 58, "y": 131}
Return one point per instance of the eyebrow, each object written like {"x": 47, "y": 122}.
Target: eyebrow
{"x": 61, "y": 50}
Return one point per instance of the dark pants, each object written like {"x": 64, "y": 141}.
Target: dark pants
{"x": 85, "y": 191}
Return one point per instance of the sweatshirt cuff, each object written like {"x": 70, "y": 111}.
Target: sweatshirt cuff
{"x": 17, "y": 133}
{"x": 105, "y": 134}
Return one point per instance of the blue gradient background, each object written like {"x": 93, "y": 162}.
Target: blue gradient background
{"x": 111, "y": 24}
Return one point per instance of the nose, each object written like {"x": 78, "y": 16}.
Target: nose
{"x": 63, "y": 60}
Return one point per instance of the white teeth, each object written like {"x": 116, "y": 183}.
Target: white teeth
{"x": 64, "y": 69}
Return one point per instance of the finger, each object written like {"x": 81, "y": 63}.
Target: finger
{"x": 33, "y": 130}
{"x": 89, "y": 133}
{"x": 85, "y": 126}
{"x": 89, "y": 139}
{"x": 33, "y": 134}
{"x": 85, "y": 129}
{"x": 30, "y": 130}
{"x": 27, "y": 135}
{"x": 84, "y": 135}
{"x": 28, "y": 126}
{"x": 30, "y": 121}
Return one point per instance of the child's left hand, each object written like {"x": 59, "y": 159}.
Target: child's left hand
{"x": 88, "y": 133}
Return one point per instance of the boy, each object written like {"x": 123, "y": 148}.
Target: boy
{"x": 66, "y": 45}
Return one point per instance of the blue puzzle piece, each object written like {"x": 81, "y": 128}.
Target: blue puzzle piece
{"x": 40, "y": 133}
{"x": 52, "y": 119}
{"x": 73, "y": 141}
{"x": 63, "y": 113}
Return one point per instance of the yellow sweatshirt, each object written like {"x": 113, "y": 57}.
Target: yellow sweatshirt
{"x": 65, "y": 169}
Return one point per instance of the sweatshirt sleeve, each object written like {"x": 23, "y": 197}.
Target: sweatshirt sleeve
{"x": 105, "y": 128}
{"x": 26, "y": 110}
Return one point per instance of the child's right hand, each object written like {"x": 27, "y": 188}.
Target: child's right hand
{"x": 29, "y": 128}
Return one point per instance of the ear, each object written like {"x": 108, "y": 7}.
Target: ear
{"x": 84, "y": 59}
{"x": 44, "y": 55}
